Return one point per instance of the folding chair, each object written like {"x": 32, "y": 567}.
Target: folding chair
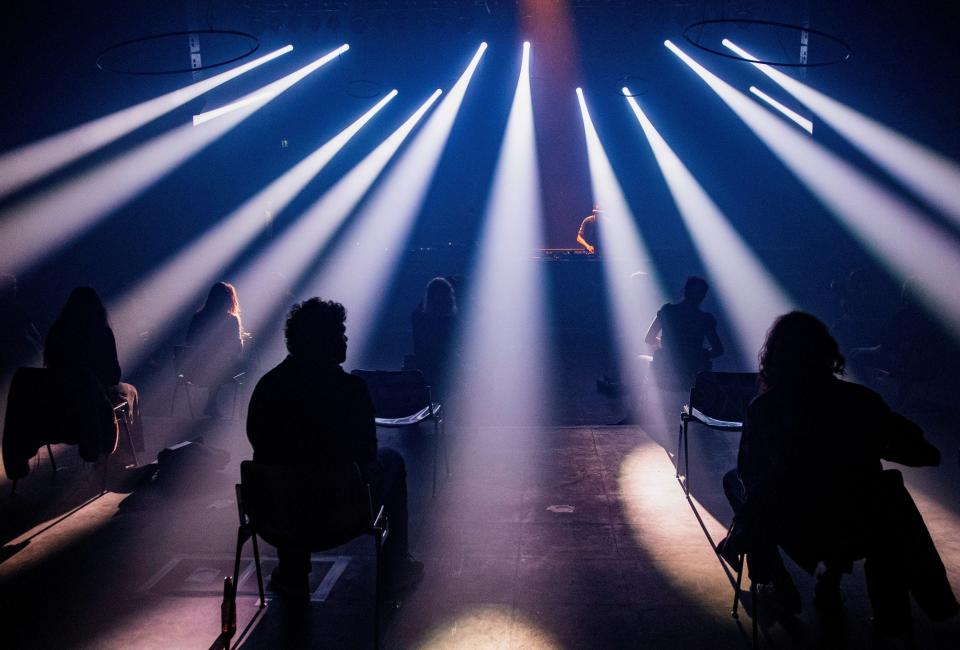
{"x": 718, "y": 401}
{"x": 192, "y": 371}
{"x": 310, "y": 508}
{"x": 401, "y": 398}
{"x": 59, "y": 405}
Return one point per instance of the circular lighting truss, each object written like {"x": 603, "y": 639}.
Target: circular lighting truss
{"x": 252, "y": 45}
{"x": 844, "y": 48}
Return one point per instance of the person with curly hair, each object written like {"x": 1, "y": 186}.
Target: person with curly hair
{"x": 809, "y": 480}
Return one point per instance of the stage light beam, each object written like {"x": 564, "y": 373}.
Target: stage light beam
{"x": 33, "y": 228}
{"x": 930, "y": 175}
{"x": 624, "y": 255}
{"x": 504, "y": 341}
{"x": 269, "y": 92}
{"x": 359, "y": 270}
{"x": 300, "y": 244}
{"x": 27, "y": 164}
{"x": 795, "y": 117}
{"x": 898, "y": 235}
{"x": 752, "y": 297}
{"x": 157, "y": 301}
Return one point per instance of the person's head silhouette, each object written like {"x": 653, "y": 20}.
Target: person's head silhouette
{"x": 316, "y": 331}
{"x": 84, "y": 308}
{"x": 695, "y": 290}
{"x": 222, "y": 298}
{"x": 440, "y": 297}
{"x": 799, "y": 350}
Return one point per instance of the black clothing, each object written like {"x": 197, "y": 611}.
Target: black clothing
{"x": 809, "y": 462}
{"x": 305, "y": 414}
{"x": 302, "y": 413}
{"x": 682, "y": 354}
{"x": 93, "y": 348}
{"x": 433, "y": 340}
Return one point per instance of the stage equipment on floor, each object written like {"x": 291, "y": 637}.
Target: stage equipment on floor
{"x": 267, "y": 93}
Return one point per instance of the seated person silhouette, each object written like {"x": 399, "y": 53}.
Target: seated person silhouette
{"x": 308, "y": 412}
{"x": 434, "y": 328}
{"x": 809, "y": 480}
{"x": 216, "y": 333}
{"x": 81, "y": 337}
{"x": 678, "y": 334}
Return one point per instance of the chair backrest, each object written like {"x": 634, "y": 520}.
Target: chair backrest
{"x": 724, "y": 395}
{"x": 396, "y": 393}
{"x": 56, "y": 405}
{"x": 309, "y": 507}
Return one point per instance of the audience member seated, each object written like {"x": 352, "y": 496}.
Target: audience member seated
{"x": 809, "y": 480}
{"x": 678, "y": 334}
{"x": 216, "y": 334}
{"x": 308, "y": 412}
{"x": 81, "y": 337}
{"x": 434, "y": 331}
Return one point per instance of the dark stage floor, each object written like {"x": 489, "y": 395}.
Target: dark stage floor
{"x": 558, "y": 537}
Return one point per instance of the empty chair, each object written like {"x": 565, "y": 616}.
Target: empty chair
{"x": 718, "y": 401}
{"x": 401, "y": 398}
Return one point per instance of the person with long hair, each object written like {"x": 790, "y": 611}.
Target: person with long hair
{"x": 434, "y": 329}
{"x": 809, "y": 480}
{"x": 216, "y": 333}
{"x": 81, "y": 337}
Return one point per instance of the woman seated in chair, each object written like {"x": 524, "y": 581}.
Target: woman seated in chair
{"x": 434, "y": 329}
{"x": 81, "y": 337}
{"x": 217, "y": 335}
{"x": 809, "y": 480}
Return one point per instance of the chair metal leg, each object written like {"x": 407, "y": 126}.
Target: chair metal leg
{"x": 735, "y": 611}
{"x": 242, "y": 535}
{"x": 436, "y": 454}
{"x": 756, "y": 606}
{"x": 686, "y": 460}
{"x": 133, "y": 450}
{"x": 53, "y": 462}
{"x": 256, "y": 561}
{"x": 378, "y": 591}
{"x": 446, "y": 449}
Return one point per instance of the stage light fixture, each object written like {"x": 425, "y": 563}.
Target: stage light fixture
{"x": 903, "y": 239}
{"x": 751, "y": 296}
{"x": 270, "y": 91}
{"x": 378, "y": 234}
{"x": 161, "y": 299}
{"x": 930, "y": 175}
{"x": 795, "y": 117}
{"x": 25, "y": 165}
